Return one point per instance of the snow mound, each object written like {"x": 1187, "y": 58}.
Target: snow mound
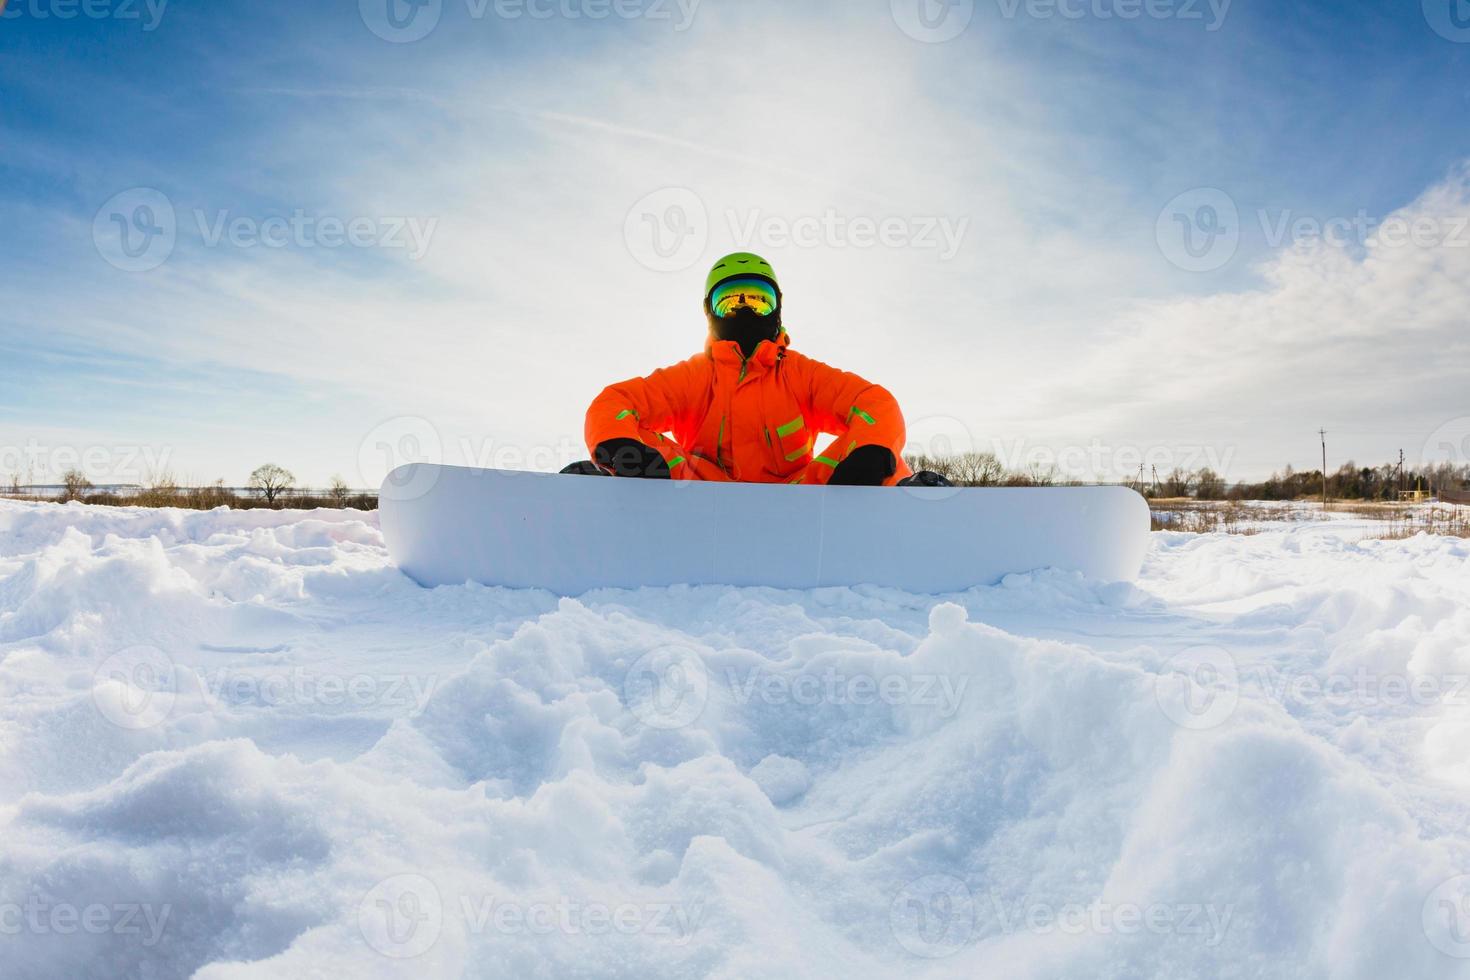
{"x": 242, "y": 745}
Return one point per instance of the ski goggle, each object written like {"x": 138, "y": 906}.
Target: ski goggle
{"x": 741, "y": 294}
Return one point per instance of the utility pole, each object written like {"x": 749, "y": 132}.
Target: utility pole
{"x": 1323, "y": 434}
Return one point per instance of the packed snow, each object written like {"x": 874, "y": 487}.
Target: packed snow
{"x": 242, "y": 744}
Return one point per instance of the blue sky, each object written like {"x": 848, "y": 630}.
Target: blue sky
{"x": 504, "y": 173}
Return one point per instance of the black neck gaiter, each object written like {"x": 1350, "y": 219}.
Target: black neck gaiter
{"x": 747, "y": 328}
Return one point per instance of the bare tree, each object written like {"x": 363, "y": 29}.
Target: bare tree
{"x": 976, "y": 469}
{"x": 1041, "y": 474}
{"x": 339, "y": 491}
{"x": 15, "y": 484}
{"x": 74, "y": 483}
{"x": 1178, "y": 483}
{"x": 271, "y": 481}
{"x": 1209, "y": 485}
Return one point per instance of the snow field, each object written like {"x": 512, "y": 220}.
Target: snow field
{"x": 240, "y": 744}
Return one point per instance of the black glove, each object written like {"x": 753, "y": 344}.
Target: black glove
{"x": 926, "y": 478}
{"x": 631, "y": 458}
{"x": 865, "y": 466}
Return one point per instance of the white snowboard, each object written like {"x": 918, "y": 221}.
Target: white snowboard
{"x": 448, "y": 525}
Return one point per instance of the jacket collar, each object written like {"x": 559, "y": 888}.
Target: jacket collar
{"x": 767, "y": 352}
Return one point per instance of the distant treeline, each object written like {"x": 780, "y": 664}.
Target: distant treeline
{"x": 1348, "y": 482}
{"x": 270, "y": 486}
{"x": 208, "y": 498}
{"x": 274, "y": 487}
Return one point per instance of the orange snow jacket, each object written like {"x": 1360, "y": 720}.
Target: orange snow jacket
{"x": 721, "y": 416}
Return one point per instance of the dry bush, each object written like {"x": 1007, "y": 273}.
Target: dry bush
{"x": 162, "y": 491}
{"x": 210, "y": 497}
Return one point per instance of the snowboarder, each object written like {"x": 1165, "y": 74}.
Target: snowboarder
{"x": 748, "y": 408}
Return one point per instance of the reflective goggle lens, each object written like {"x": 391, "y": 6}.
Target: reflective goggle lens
{"x": 755, "y": 294}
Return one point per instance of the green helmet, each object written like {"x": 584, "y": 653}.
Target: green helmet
{"x": 736, "y": 265}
